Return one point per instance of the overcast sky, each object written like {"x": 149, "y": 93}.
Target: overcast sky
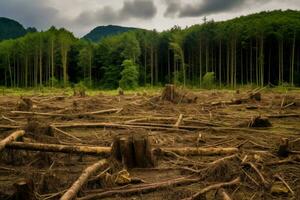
{"x": 80, "y": 16}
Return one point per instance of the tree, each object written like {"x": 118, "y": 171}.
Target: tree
{"x": 130, "y": 75}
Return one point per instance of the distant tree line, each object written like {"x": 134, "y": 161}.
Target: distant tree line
{"x": 256, "y": 49}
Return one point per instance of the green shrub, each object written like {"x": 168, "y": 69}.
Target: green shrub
{"x": 130, "y": 75}
{"x": 209, "y": 80}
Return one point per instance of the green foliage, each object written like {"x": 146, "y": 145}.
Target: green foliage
{"x": 130, "y": 75}
{"x": 10, "y": 29}
{"x": 101, "y": 32}
{"x": 209, "y": 80}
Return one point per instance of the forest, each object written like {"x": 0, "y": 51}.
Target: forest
{"x": 257, "y": 49}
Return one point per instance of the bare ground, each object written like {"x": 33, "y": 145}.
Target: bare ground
{"x": 210, "y": 122}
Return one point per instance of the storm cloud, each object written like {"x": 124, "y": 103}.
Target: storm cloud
{"x": 29, "y": 12}
{"x": 80, "y": 16}
{"x": 176, "y": 8}
{"x": 209, "y": 6}
{"x": 136, "y": 9}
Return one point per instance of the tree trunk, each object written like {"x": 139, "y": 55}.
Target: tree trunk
{"x": 12, "y": 137}
{"x": 82, "y": 180}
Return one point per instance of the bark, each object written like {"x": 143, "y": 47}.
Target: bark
{"x": 193, "y": 151}
{"x": 105, "y": 151}
{"x": 101, "y": 151}
{"x": 14, "y": 136}
{"x": 82, "y": 180}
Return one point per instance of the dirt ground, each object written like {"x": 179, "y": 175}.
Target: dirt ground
{"x": 216, "y": 119}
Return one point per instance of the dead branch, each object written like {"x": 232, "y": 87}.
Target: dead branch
{"x": 285, "y": 183}
{"x": 10, "y": 120}
{"x": 180, "y": 118}
{"x": 12, "y": 137}
{"x": 119, "y": 126}
{"x": 82, "y": 180}
{"x": 263, "y": 180}
{"x": 142, "y": 188}
{"x": 68, "y": 115}
{"x": 9, "y": 127}
{"x": 236, "y": 181}
{"x": 224, "y": 194}
{"x": 65, "y": 133}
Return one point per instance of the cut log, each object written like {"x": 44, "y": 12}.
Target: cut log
{"x": 194, "y": 151}
{"x": 101, "y": 151}
{"x": 106, "y": 151}
{"x": 12, "y": 137}
{"x": 82, "y": 180}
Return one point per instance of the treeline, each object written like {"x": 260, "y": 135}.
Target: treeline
{"x": 256, "y": 49}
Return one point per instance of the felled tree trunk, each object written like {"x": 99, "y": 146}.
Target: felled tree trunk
{"x": 133, "y": 151}
{"x": 82, "y": 180}
{"x": 101, "y": 151}
{"x": 14, "y": 136}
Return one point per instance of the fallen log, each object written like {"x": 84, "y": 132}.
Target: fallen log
{"x": 68, "y": 115}
{"x": 102, "y": 151}
{"x": 143, "y": 188}
{"x": 12, "y": 137}
{"x": 82, "y": 180}
{"x": 284, "y": 116}
{"x": 106, "y": 151}
{"x": 9, "y": 127}
{"x": 198, "y": 195}
{"x": 119, "y": 126}
{"x": 193, "y": 151}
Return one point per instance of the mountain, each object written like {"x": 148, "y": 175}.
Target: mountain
{"x": 103, "y": 31}
{"x": 10, "y": 29}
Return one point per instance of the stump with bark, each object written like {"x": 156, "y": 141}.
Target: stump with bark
{"x": 133, "y": 152}
{"x": 175, "y": 95}
{"x": 259, "y": 122}
{"x": 25, "y": 104}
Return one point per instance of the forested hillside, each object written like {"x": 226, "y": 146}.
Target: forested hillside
{"x": 256, "y": 49}
{"x": 103, "y": 31}
{"x": 10, "y": 29}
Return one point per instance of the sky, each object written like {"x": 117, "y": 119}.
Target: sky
{"x": 81, "y": 16}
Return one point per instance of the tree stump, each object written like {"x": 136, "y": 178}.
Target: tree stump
{"x": 259, "y": 122}
{"x": 133, "y": 152}
{"x": 175, "y": 95}
{"x": 25, "y": 104}
{"x": 283, "y": 150}
{"x": 255, "y": 96}
{"x": 24, "y": 190}
{"x": 168, "y": 93}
